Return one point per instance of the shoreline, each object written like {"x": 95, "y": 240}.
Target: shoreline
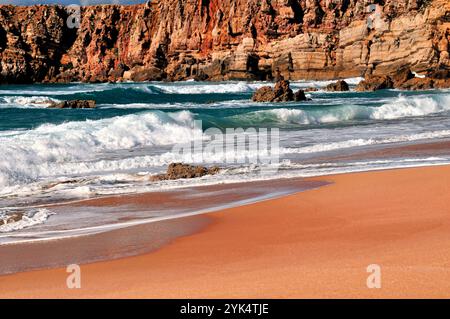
{"x": 395, "y": 218}
{"x": 183, "y": 212}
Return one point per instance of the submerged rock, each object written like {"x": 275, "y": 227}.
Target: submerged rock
{"x": 74, "y": 104}
{"x": 185, "y": 171}
{"x": 339, "y": 86}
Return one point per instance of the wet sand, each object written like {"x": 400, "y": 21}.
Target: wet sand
{"x": 413, "y": 150}
{"x": 315, "y": 244}
{"x": 164, "y": 217}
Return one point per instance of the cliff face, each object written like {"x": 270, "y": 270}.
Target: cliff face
{"x": 223, "y": 39}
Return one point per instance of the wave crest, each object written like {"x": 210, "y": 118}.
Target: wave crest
{"x": 28, "y": 155}
{"x": 27, "y": 101}
{"x": 401, "y": 107}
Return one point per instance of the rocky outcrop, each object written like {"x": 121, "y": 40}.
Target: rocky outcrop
{"x": 417, "y": 84}
{"x": 282, "y": 92}
{"x": 300, "y": 96}
{"x": 223, "y": 39}
{"x": 374, "y": 83}
{"x": 339, "y": 86}
{"x": 185, "y": 171}
{"x": 74, "y": 104}
{"x": 404, "y": 79}
{"x": 264, "y": 94}
{"x": 402, "y": 76}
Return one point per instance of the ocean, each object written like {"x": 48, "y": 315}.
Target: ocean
{"x": 50, "y": 156}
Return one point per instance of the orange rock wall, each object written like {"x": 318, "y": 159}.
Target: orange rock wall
{"x": 223, "y": 39}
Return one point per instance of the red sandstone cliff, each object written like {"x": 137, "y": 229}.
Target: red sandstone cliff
{"x": 223, "y": 39}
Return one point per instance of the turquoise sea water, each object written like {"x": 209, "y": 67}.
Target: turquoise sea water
{"x": 23, "y": 107}
{"x": 50, "y": 155}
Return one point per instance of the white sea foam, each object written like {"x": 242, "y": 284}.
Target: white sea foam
{"x": 209, "y": 88}
{"x": 401, "y": 107}
{"x": 30, "y": 218}
{"x": 63, "y": 90}
{"x": 322, "y": 84}
{"x": 324, "y": 147}
{"x": 83, "y": 147}
{"x": 110, "y": 153}
{"x": 162, "y": 88}
{"x": 27, "y": 101}
{"x": 187, "y": 105}
{"x": 28, "y": 155}
{"x": 237, "y": 87}
{"x": 410, "y": 107}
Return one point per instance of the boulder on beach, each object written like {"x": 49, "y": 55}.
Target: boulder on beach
{"x": 280, "y": 93}
{"x": 339, "y": 86}
{"x": 185, "y": 171}
{"x": 74, "y": 104}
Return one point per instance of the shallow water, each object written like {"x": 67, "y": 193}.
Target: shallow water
{"x": 50, "y": 155}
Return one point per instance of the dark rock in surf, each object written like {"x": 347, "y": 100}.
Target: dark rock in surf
{"x": 339, "y": 86}
{"x": 264, "y": 94}
{"x": 374, "y": 83}
{"x": 300, "y": 96}
{"x": 74, "y": 104}
{"x": 283, "y": 92}
{"x": 185, "y": 171}
{"x": 417, "y": 84}
{"x": 280, "y": 93}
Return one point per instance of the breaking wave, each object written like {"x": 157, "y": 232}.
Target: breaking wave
{"x": 152, "y": 88}
{"x": 401, "y": 107}
{"x": 237, "y": 87}
{"x": 29, "y": 155}
{"x": 27, "y": 101}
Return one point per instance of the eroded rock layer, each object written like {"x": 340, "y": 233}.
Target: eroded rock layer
{"x": 224, "y": 39}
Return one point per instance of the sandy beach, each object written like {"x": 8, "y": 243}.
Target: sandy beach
{"x": 314, "y": 244}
